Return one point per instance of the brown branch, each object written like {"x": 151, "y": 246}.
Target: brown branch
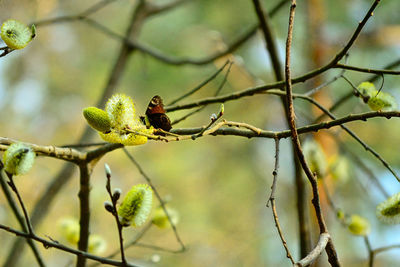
{"x": 351, "y": 133}
{"x": 6, "y": 51}
{"x": 54, "y": 244}
{"x": 272, "y": 201}
{"x": 201, "y": 85}
{"x": 373, "y": 252}
{"x": 84, "y": 14}
{"x": 84, "y": 212}
{"x": 20, "y": 218}
{"x": 349, "y": 95}
{"x": 162, "y": 203}
{"x": 281, "y": 84}
{"x": 130, "y": 243}
{"x": 304, "y": 232}
{"x": 67, "y": 154}
{"x": 64, "y": 153}
{"x": 324, "y": 238}
{"x": 332, "y": 257}
{"x": 366, "y": 70}
{"x": 42, "y": 205}
{"x": 114, "y": 212}
{"x": 21, "y": 203}
{"x": 263, "y": 20}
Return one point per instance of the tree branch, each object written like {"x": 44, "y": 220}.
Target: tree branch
{"x": 314, "y": 254}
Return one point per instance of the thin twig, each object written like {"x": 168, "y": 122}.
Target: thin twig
{"x": 216, "y": 93}
{"x": 373, "y": 252}
{"x": 201, "y": 85}
{"x": 89, "y": 11}
{"x": 272, "y": 201}
{"x": 115, "y": 215}
{"x": 21, "y": 203}
{"x": 20, "y": 218}
{"x": 54, "y": 244}
{"x": 162, "y": 203}
{"x": 129, "y": 244}
{"x": 365, "y": 70}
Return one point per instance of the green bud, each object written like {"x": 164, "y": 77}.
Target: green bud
{"x": 222, "y": 110}
{"x": 98, "y": 119}
{"x": 33, "y": 30}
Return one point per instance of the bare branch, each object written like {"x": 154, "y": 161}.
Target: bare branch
{"x": 321, "y": 245}
{"x": 54, "y": 244}
{"x": 272, "y": 201}
{"x": 330, "y": 249}
{"x": 18, "y": 215}
{"x": 365, "y": 70}
{"x": 84, "y": 212}
{"x": 162, "y": 203}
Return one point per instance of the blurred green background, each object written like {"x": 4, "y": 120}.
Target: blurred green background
{"x": 220, "y": 184}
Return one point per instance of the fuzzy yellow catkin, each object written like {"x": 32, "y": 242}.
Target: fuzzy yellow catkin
{"x": 389, "y": 210}
{"x": 121, "y": 110}
{"x": 315, "y": 157}
{"x": 367, "y": 89}
{"x": 359, "y": 225}
{"x": 15, "y": 34}
{"x": 136, "y": 205}
{"x": 126, "y": 127}
{"x": 376, "y": 100}
{"x": 340, "y": 169}
{"x": 382, "y": 101}
{"x": 96, "y": 244}
{"x": 18, "y": 159}
{"x": 160, "y": 218}
{"x": 69, "y": 229}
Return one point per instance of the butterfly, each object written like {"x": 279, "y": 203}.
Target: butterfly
{"x": 155, "y": 115}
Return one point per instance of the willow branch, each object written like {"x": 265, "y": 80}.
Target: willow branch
{"x": 272, "y": 201}
{"x": 54, "y": 244}
{"x": 84, "y": 212}
{"x": 162, "y": 203}
{"x": 314, "y": 254}
{"x": 114, "y": 212}
{"x": 20, "y": 218}
{"x": 330, "y": 249}
{"x": 366, "y": 70}
{"x": 84, "y": 14}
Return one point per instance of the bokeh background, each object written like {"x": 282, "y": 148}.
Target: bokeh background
{"x": 219, "y": 185}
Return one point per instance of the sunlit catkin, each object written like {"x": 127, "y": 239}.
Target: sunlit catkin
{"x": 18, "y": 159}
{"x": 136, "y": 206}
